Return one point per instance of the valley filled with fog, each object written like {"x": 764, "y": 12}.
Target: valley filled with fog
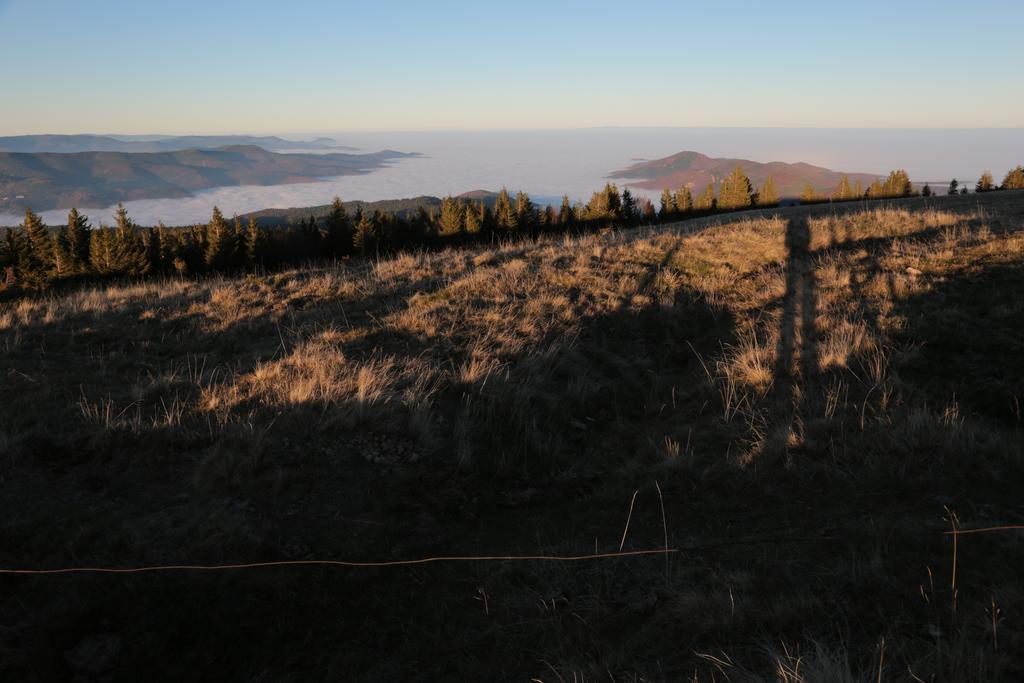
{"x": 547, "y": 164}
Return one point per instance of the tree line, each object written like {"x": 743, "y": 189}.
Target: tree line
{"x": 34, "y": 256}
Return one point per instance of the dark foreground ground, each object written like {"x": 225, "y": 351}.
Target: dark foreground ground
{"x": 803, "y": 402}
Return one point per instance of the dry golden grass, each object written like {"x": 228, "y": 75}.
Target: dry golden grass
{"x": 806, "y": 374}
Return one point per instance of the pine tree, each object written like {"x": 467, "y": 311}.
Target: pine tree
{"x": 844, "y": 191}
{"x": 220, "y": 243}
{"x": 926, "y": 191}
{"x": 473, "y": 218}
{"x": 338, "y": 236}
{"x": 668, "y": 205}
{"x": 151, "y": 247}
{"x": 706, "y": 201}
{"x": 565, "y": 213}
{"x": 953, "y": 187}
{"x": 605, "y": 205}
{"x": 128, "y": 251}
{"x": 365, "y": 239}
{"x": 768, "y": 196}
{"x": 504, "y": 214}
{"x": 1014, "y": 179}
{"x": 809, "y": 195}
{"x": 525, "y": 212}
{"x": 311, "y": 240}
{"x": 256, "y": 245}
{"x": 168, "y": 247}
{"x": 684, "y": 200}
{"x": 37, "y": 264}
{"x": 735, "y": 191}
{"x": 73, "y": 247}
{"x": 13, "y": 251}
{"x": 898, "y": 185}
{"x": 985, "y": 183}
{"x": 450, "y": 220}
{"x": 630, "y": 213}
{"x": 101, "y": 251}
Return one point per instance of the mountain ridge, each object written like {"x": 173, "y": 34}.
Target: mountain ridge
{"x": 48, "y": 180}
{"x": 698, "y": 170}
{"x": 90, "y": 142}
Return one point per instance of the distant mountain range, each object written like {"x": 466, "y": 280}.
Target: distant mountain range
{"x": 66, "y": 144}
{"x": 698, "y": 170}
{"x": 46, "y": 181}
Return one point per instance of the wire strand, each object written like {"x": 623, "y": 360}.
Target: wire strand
{"x": 339, "y": 563}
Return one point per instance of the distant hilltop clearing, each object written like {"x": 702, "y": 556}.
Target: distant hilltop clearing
{"x": 697, "y": 171}
{"x": 44, "y": 181}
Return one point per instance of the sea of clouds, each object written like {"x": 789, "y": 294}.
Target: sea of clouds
{"x": 547, "y": 164}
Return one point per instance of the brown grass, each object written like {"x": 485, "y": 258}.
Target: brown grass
{"x": 809, "y": 388}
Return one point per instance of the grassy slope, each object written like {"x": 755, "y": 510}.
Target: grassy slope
{"x": 807, "y": 405}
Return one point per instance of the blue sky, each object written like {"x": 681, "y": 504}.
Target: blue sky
{"x": 151, "y": 66}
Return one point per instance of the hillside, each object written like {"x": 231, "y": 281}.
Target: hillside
{"x": 96, "y": 179}
{"x": 697, "y": 171}
{"x": 275, "y": 218}
{"x": 797, "y": 401}
{"x": 157, "y": 143}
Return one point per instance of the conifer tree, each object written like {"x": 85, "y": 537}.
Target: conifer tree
{"x": 472, "y": 219}
{"x": 450, "y": 220}
{"x": 706, "y": 201}
{"x": 926, "y": 191}
{"x": 953, "y": 187}
{"x": 985, "y": 183}
{"x": 220, "y": 244}
{"x": 845, "y": 191}
{"x": 36, "y": 265}
{"x": 809, "y": 194}
{"x": 565, "y": 213}
{"x": 168, "y": 247}
{"x": 128, "y": 251}
{"x": 256, "y": 245}
{"x": 684, "y": 200}
{"x": 668, "y": 205}
{"x": 504, "y": 213}
{"x": 12, "y": 251}
{"x": 102, "y": 259}
{"x": 735, "y": 190}
{"x": 151, "y": 247}
{"x": 366, "y": 237}
{"x": 75, "y": 244}
{"x": 525, "y": 211}
{"x": 630, "y": 213}
{"x": 338, "y": 237}
{"x": 897, "y": 185}
{"x": 605, "y": 204}
{"x": 768, "y": 196}
{"x": 1014, "y": 179}
{"x": 309, "y": 234}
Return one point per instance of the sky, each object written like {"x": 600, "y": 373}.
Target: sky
{"x": 231, "y": 66}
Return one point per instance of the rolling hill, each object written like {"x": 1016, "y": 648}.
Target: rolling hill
{"x": 67, "y": 144}
{"x": 275, "y": 218}
{"x": 95, "y": 179}
{"x": 797, "y": 401}
{"x": 698, "y": 170}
